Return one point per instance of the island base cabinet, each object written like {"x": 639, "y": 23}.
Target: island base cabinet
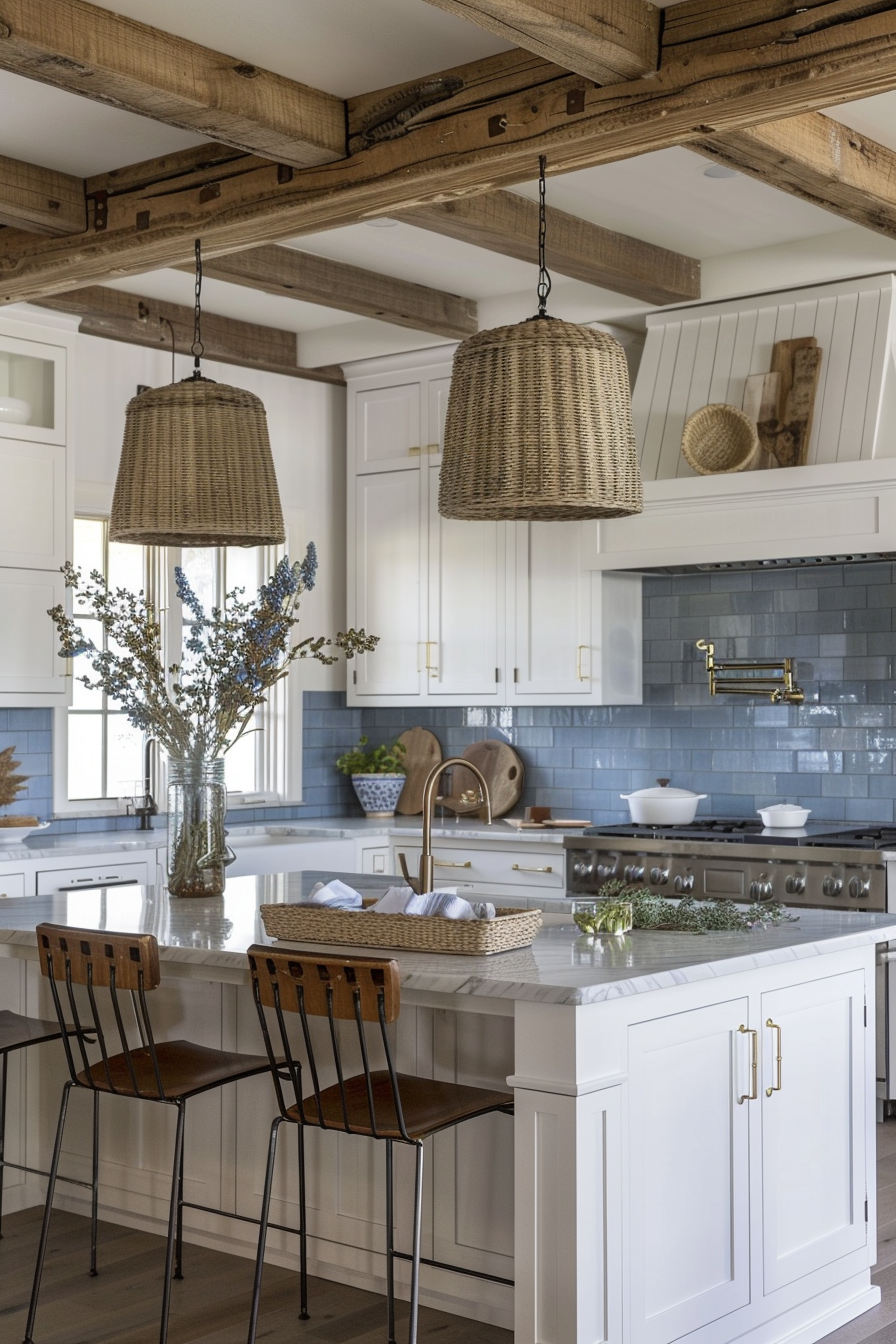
{"x": 689, "y": 1170}
{"x": 814, "y": 1197}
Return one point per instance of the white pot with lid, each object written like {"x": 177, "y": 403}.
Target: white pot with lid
{"x": 663, "y": 806}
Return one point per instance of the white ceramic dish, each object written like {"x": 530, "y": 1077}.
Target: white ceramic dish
{"x": 662, "y": 806}
{"x": 14, "y": 411}
{"x": 14, "y": 835}
{"x": 784, "y": 816}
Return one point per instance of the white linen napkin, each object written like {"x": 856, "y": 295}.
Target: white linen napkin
{"x": 403, "y": 901}
{"x": 335, "y": 894}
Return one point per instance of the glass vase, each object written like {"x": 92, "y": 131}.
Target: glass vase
{"x": 197, "y": 804}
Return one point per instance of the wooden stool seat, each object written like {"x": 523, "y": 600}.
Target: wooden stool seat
{"x": 427, "y": 1105}
{"x": 184, "y": 1068}
{"x": 17, "y": 1032}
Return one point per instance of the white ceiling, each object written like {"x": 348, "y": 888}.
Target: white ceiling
{"x": 742, "y": 229}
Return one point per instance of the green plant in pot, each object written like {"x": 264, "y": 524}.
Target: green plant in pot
{"x": 377, "y": 773}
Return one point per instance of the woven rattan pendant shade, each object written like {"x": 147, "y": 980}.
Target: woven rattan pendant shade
{"x": 539, "y": 426}
{"x": 196, "y": 469}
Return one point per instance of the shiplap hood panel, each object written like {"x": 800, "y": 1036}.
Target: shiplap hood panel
{"x": 843, "y": 500}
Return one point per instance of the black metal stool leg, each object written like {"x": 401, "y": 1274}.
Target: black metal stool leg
{"x": 95, "y": 1184}
{"x": 263, "y": 1227}
{"x": 172, "y": 1221}
{"x": 45, "y": 1227}
{"x": 415, "y": 1263}
{"x": 303, "y": 1231}
{"x": 179, "y": 1244}
{"x": 2, "y": 1133}
{"x": 390, "y": 1248}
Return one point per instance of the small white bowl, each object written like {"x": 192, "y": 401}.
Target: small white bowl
{"x": 783, "y": 815}
{"x": 14, "y": 411}
{"x": 14, "y": 835}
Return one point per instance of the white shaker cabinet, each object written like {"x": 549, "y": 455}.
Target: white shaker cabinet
{"x": 467, "y": 612}
{"x": 35, "y": 507}
{"x": 748, "y": 1170}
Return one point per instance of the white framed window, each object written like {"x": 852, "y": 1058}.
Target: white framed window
{"x": 98, "y": 756}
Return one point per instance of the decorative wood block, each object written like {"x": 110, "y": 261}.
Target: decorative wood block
{"x": 785, "y": 434}
{"x": 422, "y": 752}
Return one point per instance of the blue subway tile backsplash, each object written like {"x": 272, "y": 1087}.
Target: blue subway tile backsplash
{"x": 835, "y": 752}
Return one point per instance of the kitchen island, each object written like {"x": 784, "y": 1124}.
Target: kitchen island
{"x": 665, "y": 1174}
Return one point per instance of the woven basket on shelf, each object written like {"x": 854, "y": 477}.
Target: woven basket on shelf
{"x": 417, "y": 933}
{"x": 196, "y": 469}
{"x": 539, "y": 426}
{"x": 719, "y": 439}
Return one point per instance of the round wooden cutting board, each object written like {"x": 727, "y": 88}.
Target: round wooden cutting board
{"x": 504, "y": 773}
{"x": 422, "y": 752}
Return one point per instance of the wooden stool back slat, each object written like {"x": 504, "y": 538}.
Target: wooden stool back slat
{"x": 343, "y": 976}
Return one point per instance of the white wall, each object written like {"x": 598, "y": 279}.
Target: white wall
{"x": 307, "y": 428}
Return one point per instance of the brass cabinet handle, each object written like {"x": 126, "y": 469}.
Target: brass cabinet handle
{"x": 433, "y": 449}
{"x": 451, "y": 863}
{"x": 777, "y": 1083}
{"x": 414, "y": 452}
{"x": 580, "y": 676}
{"x": 754, "y": 1064}
{"x": 518, "y": 868}
{"x": 432, "y": 668}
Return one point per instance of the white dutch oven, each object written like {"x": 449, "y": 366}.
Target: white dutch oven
{"x": 662, "y": 806}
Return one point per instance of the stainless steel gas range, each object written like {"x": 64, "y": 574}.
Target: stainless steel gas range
{"x": 819, "y": 866}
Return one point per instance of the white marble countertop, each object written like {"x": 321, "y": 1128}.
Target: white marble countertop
{"x": 209, "y": 936}
{"x": 322, "y": 828}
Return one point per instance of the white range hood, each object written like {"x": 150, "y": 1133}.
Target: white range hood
{"x": 843, "y": 502}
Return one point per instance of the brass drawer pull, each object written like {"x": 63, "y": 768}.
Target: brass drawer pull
{"x": 580, "y": 675}
{"x": 754, "y": 1064}
{"x": 451, "y": 863}
{"x": 776, "y": 1087}
{"x": 518, "y": 868}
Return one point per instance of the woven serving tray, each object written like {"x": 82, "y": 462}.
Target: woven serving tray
{"x": 416, "y": 933}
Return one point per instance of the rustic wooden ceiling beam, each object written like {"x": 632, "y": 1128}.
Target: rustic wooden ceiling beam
{"x": 507, "y": 223}
{"x": 700, "y": 28}
{"x": 820, "y": 161}
{"x": 122, "y": 63}
{"x": 291, "y": 274}
{"x": 459, "y": 152}
{"x": 41, "y": 200}
{"x": 142, "y": 321}
{"x": 608, "y": 42}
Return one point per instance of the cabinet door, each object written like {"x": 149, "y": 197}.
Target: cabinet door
{"x": 31, "y": 673}
{"x": 437, "y": 390}
{"x": 32, "y": 504}
{"x": 689, "y": 1170}
{"x": 387, "y": 593}
{"x": 387, "y": 427}
{"x": 552, "y": 609}
{"x": 12, "y": 884}
{"x": 33, "y": 374}
{"x": 813, "y": 1126}
{"x": 465, "y": 625}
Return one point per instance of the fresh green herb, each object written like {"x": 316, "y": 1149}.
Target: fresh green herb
{"x": 386, "y": 759}
{"x": 687, "y": 915}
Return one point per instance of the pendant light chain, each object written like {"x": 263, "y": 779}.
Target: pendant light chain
{"x": 544, "y": 276}
{"x": 197, "y": 348}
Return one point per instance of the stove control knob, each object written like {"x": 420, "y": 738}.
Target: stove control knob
{"x": 633, "y": 872}
{"x": 605, "y": 871}
{"x": 684, "y": 883}
{"x": 859, "y": 887}
{"x": 796, "y": 884}
{"x": 832, "y": 886}
{"x": 583, "y": 867}
{"x": 659, "y": 877}
{"x": 761, "y": 888}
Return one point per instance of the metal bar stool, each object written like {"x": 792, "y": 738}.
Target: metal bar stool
{"x": 18, "y": 1033}
{"x": 126, "y": 967}
{"x": 379, "y": 1103}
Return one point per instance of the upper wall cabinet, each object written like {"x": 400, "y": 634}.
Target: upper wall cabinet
{"x": 35, "y": 507}
{"x": 467, "y": 612}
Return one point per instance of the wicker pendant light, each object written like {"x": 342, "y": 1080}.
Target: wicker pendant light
{"x": 196, "y": 467}
{"x": 539, "y": 422}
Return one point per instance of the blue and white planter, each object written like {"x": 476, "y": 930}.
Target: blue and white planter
{"x": 378, "y": 794}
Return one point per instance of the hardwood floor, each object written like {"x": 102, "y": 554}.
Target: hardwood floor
{"x": 210, "y": 1306}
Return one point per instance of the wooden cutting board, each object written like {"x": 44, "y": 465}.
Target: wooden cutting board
{"x": 422, "y": 752}
{"x": 504, "y": 773}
